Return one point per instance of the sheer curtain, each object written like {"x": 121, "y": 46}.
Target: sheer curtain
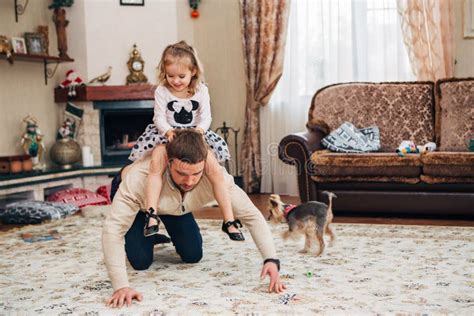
{"x": 328, "y": 41}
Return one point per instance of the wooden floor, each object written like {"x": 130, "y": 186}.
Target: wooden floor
{"x": 261, "y": 201}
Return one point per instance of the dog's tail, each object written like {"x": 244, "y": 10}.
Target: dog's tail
{"x": 330, "y": 197}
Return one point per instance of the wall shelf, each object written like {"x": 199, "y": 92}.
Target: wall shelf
{"x": 107, "y": 93}
{"x": 46, "y": 60}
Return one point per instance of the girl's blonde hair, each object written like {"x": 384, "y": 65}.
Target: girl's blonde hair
{"x": 176, "y": 53}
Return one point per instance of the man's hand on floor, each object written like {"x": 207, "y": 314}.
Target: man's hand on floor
{"x": 276, "y": 285}
{"x": 124, "y": 295}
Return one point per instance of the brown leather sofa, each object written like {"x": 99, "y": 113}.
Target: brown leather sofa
{"x": 440, "y": 182}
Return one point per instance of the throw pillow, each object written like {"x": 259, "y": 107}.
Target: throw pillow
{"x": 104, "y": 191}
{"x": 78, "y": 197}
{"x": 349, "y": 139}
{"x": 35, "y": 212}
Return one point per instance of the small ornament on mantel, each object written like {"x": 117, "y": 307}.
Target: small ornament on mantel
{"x": 194, "y": 6}
{"x": 101, "y": 78}
{"x": 136, "y": 66}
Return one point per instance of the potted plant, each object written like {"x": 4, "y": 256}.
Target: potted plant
{"x": 60, "y": 21}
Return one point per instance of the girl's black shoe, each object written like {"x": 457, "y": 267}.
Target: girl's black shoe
{"x": 151, "y": 230}
{"x": 234, "y": 236}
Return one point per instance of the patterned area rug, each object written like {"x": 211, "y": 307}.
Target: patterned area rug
{"x": 371, "y": 269}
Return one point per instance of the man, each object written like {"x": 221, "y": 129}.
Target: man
{"x": 185, "y": 188}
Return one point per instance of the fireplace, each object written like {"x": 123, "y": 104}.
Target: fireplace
{"x": 120, "y": 124}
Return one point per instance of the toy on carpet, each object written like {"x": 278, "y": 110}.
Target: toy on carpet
{"x": 311, "y": 219}
{"x": 285, "y": 299}
{"x": 35, "y": 237}
{"x": 71, "y": 82}
{"x": 409, "y": 147}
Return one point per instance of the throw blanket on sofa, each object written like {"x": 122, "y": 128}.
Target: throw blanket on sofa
{"x": 349, "y": 139}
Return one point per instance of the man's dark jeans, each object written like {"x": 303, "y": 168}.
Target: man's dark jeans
{"x": 183, "y": 230}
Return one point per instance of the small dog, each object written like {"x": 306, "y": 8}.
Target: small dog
{"x": 311, "y": 219}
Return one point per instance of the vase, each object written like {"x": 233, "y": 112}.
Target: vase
{"x": 65, "y": 153}
{"x": 59, "y": 18}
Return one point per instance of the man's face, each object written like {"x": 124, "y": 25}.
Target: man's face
{"x": 186, "y": 176}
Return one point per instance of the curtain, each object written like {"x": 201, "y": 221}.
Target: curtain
{"x": 428, "y": 28}
{"x": 329, "y": 41}
{"x": 263, "y": 28}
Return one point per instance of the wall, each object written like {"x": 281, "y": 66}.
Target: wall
{"x": 22, "y": 88}
{"x": 151, "y": 27}
{"x": 464, "y": 47}
{"x": 217, "y": 38}
{"x": 95, "y": 45}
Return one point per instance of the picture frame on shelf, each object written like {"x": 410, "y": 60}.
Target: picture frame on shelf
{"x": 468, "y": 18}
{"x": 19, "y": 45}
{"x": 35, "y": 43}
{"x": 132, "y": 2}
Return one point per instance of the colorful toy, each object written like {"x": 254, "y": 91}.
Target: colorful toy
{"x": 409, "y": 147}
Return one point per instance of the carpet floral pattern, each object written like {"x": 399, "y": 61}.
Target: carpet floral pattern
{"x": 371, "y": 269}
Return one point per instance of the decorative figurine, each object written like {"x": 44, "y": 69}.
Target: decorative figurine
{"x": 102, "y": 78}
{"x": 71, "y": 82}
{"x": 60, "y": 21}
{"x": 32, "y": 142}
{"x": 6, "y": 48}
{"x": 136, "y": 66}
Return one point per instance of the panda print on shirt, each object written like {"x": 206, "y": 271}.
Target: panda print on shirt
{"x": 183, "y": 111}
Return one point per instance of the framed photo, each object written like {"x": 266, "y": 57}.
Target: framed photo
{"x": 19, "y": 46}
{"x": 132, "y": 2}
{"x": 468, "y": 18}
{"x": 35, "y": 43}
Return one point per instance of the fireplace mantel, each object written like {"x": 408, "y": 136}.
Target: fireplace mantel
{"x": 107, "y": 93}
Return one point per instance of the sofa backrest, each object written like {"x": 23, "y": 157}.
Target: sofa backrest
{"x": 455, "y": 113}
{"x": 401, "y": 110}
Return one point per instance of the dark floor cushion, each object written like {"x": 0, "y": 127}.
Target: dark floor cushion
{"x": 35, "y": 212}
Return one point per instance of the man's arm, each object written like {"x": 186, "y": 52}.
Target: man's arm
{"x": 253, "y": 219}
{"x": 125, "y": 206}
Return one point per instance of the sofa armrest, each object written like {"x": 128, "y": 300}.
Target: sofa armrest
{"x": 296, "y": 149}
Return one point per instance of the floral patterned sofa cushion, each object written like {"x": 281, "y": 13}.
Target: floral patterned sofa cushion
{"x": 455, "y": 121}
{"x": 365, "y": 167}
{"x": 401, "y": 111}
{"x": 35, "y": 212}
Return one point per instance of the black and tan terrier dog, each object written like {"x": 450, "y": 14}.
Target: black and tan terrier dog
{"x": 311, "y": 219}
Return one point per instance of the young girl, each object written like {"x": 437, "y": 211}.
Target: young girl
{"x": 182, "y": 101}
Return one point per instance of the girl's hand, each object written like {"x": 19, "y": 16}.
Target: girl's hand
{"x": 170, "y": 134}
{"x": 200, "y": 130}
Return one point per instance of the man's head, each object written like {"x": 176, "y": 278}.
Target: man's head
{"x": 187, "y": 155}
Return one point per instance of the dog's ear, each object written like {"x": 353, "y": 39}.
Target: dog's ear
{"x": 273, "y": 203}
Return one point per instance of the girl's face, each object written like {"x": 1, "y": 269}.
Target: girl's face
{"x": 178, "y": 75}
